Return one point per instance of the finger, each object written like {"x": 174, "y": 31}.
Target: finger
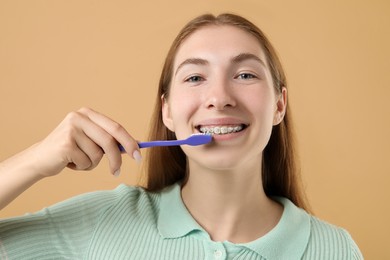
{"x": 91, "y": 149}
{"x": 102, "y": 139}
{"x": 114, "y": 129}
{"x": 78, "y": 160}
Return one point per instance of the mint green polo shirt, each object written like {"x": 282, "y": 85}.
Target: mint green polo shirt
{"x": 131, "y": 223}
{"x": 288, "y": 240}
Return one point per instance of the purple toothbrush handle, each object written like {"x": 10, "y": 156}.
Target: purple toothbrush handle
{"x": 195, "y": 139}
{"x": 155, "y": 143}
{"x": 160, "y": 143}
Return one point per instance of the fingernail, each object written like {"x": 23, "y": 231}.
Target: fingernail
{"x": 117, "y": 172}
{"x": 137, "y": 156}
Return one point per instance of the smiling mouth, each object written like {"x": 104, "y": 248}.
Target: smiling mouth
{"x": 221, "y": 130}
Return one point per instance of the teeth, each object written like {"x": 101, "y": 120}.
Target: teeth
{"x": 220, "y": 130}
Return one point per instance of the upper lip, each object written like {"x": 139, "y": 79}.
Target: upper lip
{"x": 221, "y": 122}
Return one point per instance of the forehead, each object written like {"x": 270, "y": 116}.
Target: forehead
{"x": 218, "y": 40}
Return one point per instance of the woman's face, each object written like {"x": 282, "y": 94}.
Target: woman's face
{"x": 221, "y": 84}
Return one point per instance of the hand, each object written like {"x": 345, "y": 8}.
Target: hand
{"x": 80, "y": 141}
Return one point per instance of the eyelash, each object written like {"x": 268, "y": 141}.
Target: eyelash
{"x": 251, "y": 76}
{"x": 194, "y": 78}
{"x": 243, "y": 76}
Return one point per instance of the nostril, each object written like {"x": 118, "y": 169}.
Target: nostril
{"x": 220, "y": 104}
{"x": 220, "y": 96}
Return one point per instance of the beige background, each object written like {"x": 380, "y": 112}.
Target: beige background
{"x": 57, "y": 56}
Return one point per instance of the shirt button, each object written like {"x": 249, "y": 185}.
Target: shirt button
{"x": 217, "y": 254}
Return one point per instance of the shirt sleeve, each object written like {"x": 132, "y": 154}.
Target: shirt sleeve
{"x": 62, "y": 231}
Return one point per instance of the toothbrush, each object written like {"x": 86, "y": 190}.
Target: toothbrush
{"x": 193, "y": 140}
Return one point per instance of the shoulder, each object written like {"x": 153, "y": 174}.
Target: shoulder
{"x": 89, "y": 207}
{"x": 328, "y": 241}
{"x": 317, "y": 239}
{"x": 124, "y": 199}
{"x": 102, "y": 200}
{"x": 124, "y": 191}
{"x": 68, "y": 229}
{"x": 134, "y": 198}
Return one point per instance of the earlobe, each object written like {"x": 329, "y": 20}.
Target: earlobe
{"x": 281, "y": 106}
{"x": 166, "y": 113}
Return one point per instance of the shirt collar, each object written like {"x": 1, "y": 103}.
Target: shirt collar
{"x": 287, "y": 240}
{"x": 174, "y": 220}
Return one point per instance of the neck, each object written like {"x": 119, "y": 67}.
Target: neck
{"x": 230, "y": 204}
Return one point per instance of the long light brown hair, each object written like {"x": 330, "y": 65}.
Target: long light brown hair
{"x": 167, "y": 165}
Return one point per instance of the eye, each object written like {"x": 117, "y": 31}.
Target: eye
{"x": 195, "y": 79}
{"x": 246, "y": 76}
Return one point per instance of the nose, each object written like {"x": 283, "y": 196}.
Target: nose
{"x": 220, "y": 96}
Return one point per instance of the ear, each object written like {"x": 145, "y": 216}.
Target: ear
{"x": 166, "y": 113}
{"x": 281, "y": 106}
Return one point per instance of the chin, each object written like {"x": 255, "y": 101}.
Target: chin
{"x": 223, "y": 161}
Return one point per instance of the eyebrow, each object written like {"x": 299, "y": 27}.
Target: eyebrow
{"x": 247, "y": 56}
{"x": 236, "y": 59}
{"x": 194, "y": 61}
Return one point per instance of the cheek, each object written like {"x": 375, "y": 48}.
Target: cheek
{"x": 262, "y": 109}
{"x": 183, "y": 106}
{"x": 261, "y": 103}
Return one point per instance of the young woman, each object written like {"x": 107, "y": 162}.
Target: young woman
{"x": 238, "y": 197}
